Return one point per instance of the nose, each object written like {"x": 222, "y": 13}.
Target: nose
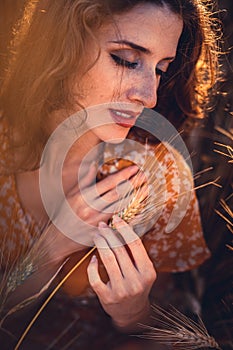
{"x": 144, "y": 91}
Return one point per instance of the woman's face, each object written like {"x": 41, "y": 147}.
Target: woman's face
{"x": 127, "y": 74}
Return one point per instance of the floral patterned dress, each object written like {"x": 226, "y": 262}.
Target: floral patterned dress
{"x": 177, "y": 248}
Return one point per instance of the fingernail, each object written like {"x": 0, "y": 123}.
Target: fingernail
{"x": 93, "y": 259}
{"x": 93, "y": 164}
{"x": 102, "y": 224}
{"x": 116, "y": 218}
{"x": 96, "y": 237}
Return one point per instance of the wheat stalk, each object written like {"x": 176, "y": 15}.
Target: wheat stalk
{"x": 229, "y": 134}
{"x": 229, "y": 154}
{"x": 145, "y": 202}
{"x": 141, "y": 208}
{"x": 142, "y": 200}
{"x": 15, "y": 272}
{"x": 176, "y": 329}
{"x": 23, "y": 265}
{"x": 32, "y": 298}
{"x": 60, "y": 284}
{"x": 62, "y": 334}
{"x": 229, "y": 219}
{"x": 68, "y": 345}
{"x": 229, "y": 150}
{"x": 227, "y": 210}
{"x": 18, "y": 269}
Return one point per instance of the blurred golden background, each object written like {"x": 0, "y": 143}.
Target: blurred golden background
{"x": 212, "y": 283}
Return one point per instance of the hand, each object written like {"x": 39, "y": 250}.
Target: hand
{"x": 131, "y": 274}
{"x": 95, "y": 203}
{"x": 89, "y": 204}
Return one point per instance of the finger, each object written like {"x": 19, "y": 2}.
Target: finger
{"x": 117, "y": 245}
{"x": 113, "y": 180}
{"x": 134, "y": 243}
{"x": 104, "y": 193}
{"x": 85, "y": 181}
{"x": 117, "y": 199}
{"x": 94, "y": 278}
{"x": 106, "y": 205}
{"x": 126, "y": 186}
{"x": 139, "y": 179}
{"x": 129, "y": 203}
{"x": 134, "y": 185}
{"x": 109, "y": 191}
{"x": 129, "y": 185}
{"x": 108, "y": 257}
{"x": 125, "y": 230}
{"x": 111, "y": 237}
{"x": 139, "y": 195}
{"x": 121, "y": 196}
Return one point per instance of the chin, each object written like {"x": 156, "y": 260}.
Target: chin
{"x": 112, "y": 135}
{"x": 115, "y": 141}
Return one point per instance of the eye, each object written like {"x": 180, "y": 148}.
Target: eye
{"x": 160, "y": 72}
{"x": 123, "y": 63}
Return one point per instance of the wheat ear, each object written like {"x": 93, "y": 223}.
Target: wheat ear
{"x": 18, "y": 269}
{"x": 50, "y": 297}
{"x": 176, "y": 329}
{"x": 142, "y": 208}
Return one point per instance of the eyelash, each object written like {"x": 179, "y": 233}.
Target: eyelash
{"x": 160, "y": 72}
{"x": 132, "y": 65}
{"x": 124, "y": 63}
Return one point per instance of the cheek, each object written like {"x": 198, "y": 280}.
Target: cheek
{"x": 107, "y": 89}
{"x": 109, "y": 80}
{"x": 140, "y": 82}
{"x": 103, "y": 83}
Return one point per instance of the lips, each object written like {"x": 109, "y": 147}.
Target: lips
{"x": 124, "y": 118}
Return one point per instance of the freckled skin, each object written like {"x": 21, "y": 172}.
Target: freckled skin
{"x": 155, "y": 29}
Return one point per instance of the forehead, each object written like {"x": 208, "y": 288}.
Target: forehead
{"x": 147, "y": 25}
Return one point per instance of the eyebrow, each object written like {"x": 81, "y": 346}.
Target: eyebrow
{"x": 139, "y": 48}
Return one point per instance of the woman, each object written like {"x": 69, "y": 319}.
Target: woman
{"x": 75, "y": 55}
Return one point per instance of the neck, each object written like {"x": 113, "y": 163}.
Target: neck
{"x": 74, "y": 144}
{"x": 83, "y": 152}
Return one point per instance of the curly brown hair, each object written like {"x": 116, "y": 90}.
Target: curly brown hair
{"x": 51, "y": 45}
